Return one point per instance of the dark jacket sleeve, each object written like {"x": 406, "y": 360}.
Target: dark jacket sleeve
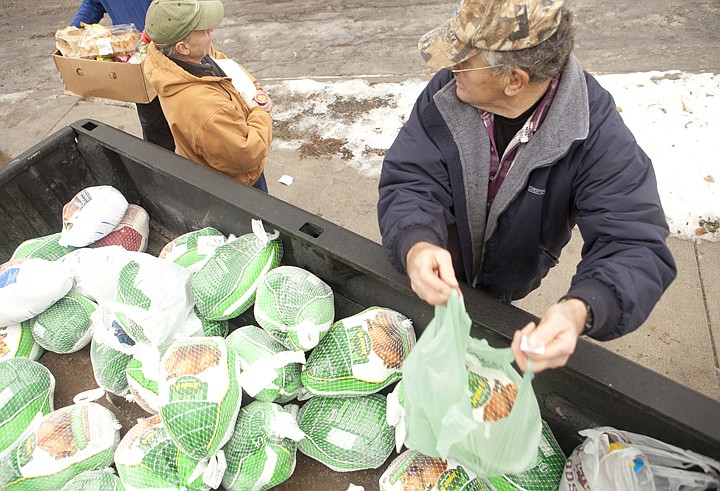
{"x": 414, "y": 190}
{"x": 91, "y": 12}
{"x": 626, "y": 264}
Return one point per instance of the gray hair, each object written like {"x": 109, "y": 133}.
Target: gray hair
{"x": 543, "y": 61}
{"x": 169, "y": 49}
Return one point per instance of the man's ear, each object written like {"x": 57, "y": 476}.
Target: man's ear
{"x": 516, "y": 81}
{"x": 182, "y": 48}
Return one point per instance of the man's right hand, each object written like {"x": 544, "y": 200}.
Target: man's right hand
{"x": 431, "y": 272}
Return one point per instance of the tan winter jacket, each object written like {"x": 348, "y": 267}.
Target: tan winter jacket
{"x": 209, "y": 119}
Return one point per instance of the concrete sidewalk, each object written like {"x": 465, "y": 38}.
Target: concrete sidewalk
{"x": 679, "y": 340}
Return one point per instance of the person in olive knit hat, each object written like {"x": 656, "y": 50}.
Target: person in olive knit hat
{"x": 213, "y": 123}
{"x": 510, "y": 146}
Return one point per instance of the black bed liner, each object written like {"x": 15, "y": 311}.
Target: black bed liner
{"x": 597, "y": 388}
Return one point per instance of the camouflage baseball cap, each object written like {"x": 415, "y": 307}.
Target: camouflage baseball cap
{"x": 170, "y": 21}
{"x": 495, "y": 25}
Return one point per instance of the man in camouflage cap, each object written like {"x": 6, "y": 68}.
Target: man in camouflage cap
{"x": 493, "y": 26}
{"x": 511, "y": 145}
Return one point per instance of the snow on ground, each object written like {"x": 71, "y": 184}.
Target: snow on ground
{"x": 675, "y": 117}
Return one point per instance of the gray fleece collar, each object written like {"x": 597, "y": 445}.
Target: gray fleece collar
{"x": 567, "y": 121}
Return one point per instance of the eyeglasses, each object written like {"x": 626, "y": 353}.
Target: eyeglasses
{"x": 459, "y": 70}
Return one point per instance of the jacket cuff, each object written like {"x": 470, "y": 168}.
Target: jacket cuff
{"x": 409, "y": 238}
{"x": 604, "y": 305}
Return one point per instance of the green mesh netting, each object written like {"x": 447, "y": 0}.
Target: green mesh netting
{"x": 103, "y": 480}
{"x": 66, "y": 443}
{"x": 212, "y": 327}
{"x": 66, "y": 326}
{"x": 225, "y": 286}
{"x": 261, "y": 452}
{"x": 270, "y": 372}
{"x": 17, "y": 341}
{"x": 295, "y": 306}
{"x": 148, "y": 459}
{"x": 193, "y": 249}
{"x": 346, "y": 433}
{"x": 545, "y": 475}
{"x": 47, "y": 248}
{"x": 199, "y": 394}
{"x": 143, "y": 375}
{"x": 360, "y": 354}
{"x": 26, "y": 395}
{"x": 413, "y": 471}
{"x": 111, "y": 350}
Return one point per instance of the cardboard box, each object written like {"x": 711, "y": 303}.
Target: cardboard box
{"x": 107, "y": 80}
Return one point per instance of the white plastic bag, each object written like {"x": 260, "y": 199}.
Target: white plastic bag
{"x": 615, "y": 459}
{"x": 96, "y": 271}
{"x": 91, "y": 215}
{"x": 131, "y": 233}
{"x": 150, "y": 297}
{"x": 29, "y": 287}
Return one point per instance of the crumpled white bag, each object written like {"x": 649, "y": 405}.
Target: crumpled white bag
{"x": 615, "y": 459}
{"x": 150, "y": 297}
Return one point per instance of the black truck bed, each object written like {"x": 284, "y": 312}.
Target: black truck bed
{"x": 597, "y": 388}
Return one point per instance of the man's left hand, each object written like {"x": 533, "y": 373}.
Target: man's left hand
{"x": 558, "y": 331}
{"x": 263, "y": 100}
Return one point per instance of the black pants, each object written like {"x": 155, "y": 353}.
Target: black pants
{"x": 154, "y": 125}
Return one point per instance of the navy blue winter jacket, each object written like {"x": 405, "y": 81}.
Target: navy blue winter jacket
{"x": 120, "y": 12}
{"x": 583, "y": 166}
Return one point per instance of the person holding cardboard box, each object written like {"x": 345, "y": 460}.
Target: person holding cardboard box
{"x": 152, "y": 120}
{"x": 217, "y": 121}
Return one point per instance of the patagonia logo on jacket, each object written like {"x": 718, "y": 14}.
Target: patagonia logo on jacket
{"x": 534, "y": 190}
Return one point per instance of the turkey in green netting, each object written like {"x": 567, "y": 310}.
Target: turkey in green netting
{"x": 26, "y": 395}
{"x": 413, "y": 471}
{"x": 346, "y": 433}
{"x": 66, "y": 443}
{"x": 360, "y": 354}
{"x": 17, "y": 341}
{"x": 225, "y": 286}
{"x": 148, "y": 459}
{"x": 103, "y": 480}
{"x": 270, "y": 372}
{"x": 47, "y": 247}
{"x": 111, "y": 350}
{"x": 295, "y": 306}
{"x": 261, "y": 452}
{"x": 143, "y": 375}
{"x": 66, "y": 326}
{"x": 199, "y": 394}
{"x": 545, "y": 475}
{"x": 193, "y": 249}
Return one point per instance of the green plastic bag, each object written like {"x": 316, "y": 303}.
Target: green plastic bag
{"x": 439, "y": 410}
